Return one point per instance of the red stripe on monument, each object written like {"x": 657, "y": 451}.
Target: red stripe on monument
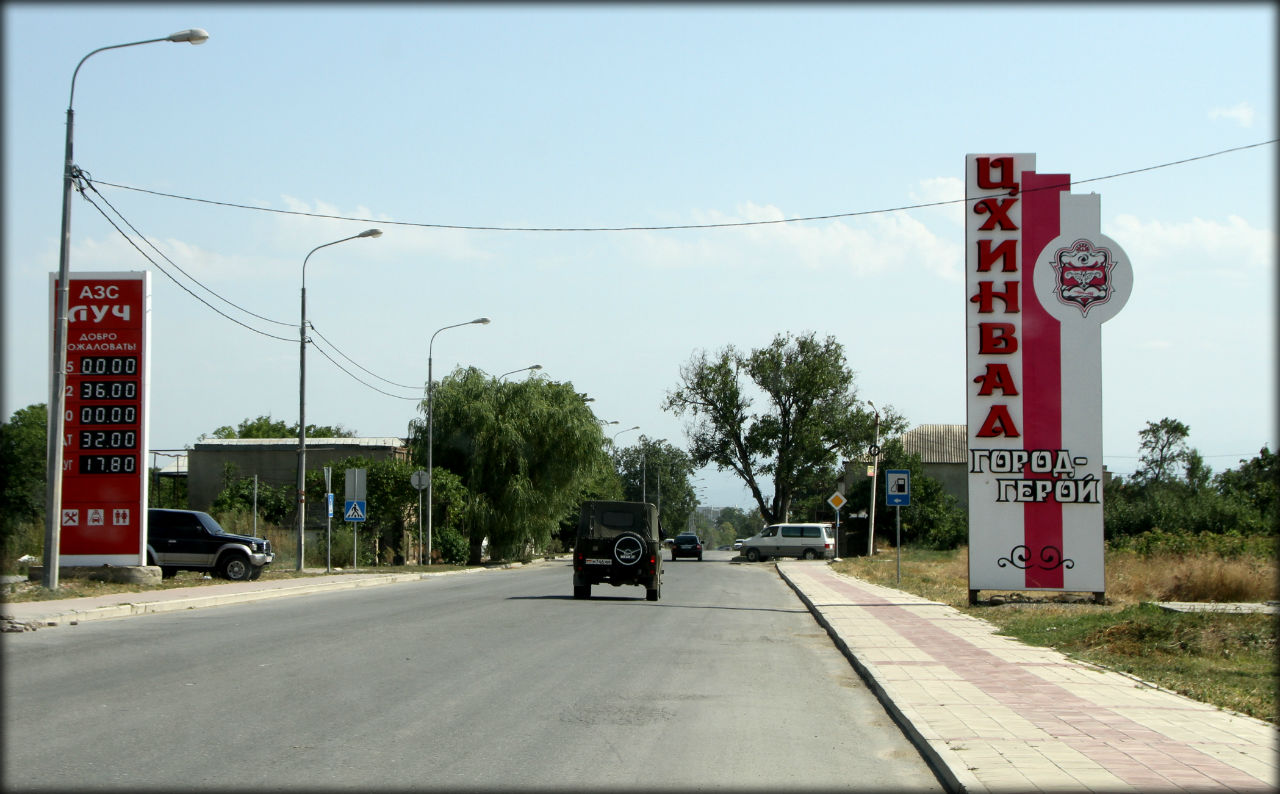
{"x": 1041, "y": 372}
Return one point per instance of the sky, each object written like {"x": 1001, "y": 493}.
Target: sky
{"x": 568, "y": 122}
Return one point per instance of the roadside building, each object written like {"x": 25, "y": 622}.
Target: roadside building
{"x": 275, "y": 461}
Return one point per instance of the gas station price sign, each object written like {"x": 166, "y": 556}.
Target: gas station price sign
{"x": 104, "y": 483}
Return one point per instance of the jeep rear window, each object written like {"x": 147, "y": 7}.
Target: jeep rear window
{"x": 615, "y": 520}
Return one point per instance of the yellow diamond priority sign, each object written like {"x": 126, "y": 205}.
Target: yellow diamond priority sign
{"x": 837, "y": 500}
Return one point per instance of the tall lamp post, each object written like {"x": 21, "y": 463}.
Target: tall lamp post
{"x": 530, "y": 368}
{"x": 302, "y": 394}
{"x": 431, "y": 387}
{"x": 57, "y": 392}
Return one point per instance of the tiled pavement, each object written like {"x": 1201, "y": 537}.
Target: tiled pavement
{"x": 992, "y": 714}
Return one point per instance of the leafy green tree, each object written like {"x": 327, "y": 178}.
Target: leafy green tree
{"x": 24, "y": 460}
{"x": 274, "y": 503}
{"x": 811, "y": 420}
{"x": 1174, "y": 491}
{"x": 744, "y": 524}
{"x": 266, "y": 427}
{"x": 660, "y": 473}
{"x": 1162, "y": 447}
{"x": 527, "y": 452}
{"x": 1256, "y": 483}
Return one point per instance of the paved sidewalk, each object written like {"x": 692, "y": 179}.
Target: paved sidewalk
{"x": 992, "y": 714}
{"x": 69, "y": 611}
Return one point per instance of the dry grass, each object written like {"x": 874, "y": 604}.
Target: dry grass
{"x": 1190, "y": 577}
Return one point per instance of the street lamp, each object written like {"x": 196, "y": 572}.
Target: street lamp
{"x": 620, "y": 432}
{"x": 531, "y": 367}
{"x": 57, "y": 401}
{"x": 302, "y": 394}
{"x": 431, "y": 387}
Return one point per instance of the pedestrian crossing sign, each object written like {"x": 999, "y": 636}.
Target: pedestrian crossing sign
{"x": 354, "y": 510}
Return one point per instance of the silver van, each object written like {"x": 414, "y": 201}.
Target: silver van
{"x": 809, "y": 541}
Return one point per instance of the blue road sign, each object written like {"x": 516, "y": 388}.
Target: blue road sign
{"x": 897, "y": 491}
{"x": 354, "y": 511}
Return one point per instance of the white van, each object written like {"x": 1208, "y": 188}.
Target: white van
{"x": 810, "y": 541}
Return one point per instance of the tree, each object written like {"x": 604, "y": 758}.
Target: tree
{"x": 1163, "y": 445}
{"x": 526, "y": 452}
{"x": 1256, "y": 483}
{"x": 657, "y": 472}
{"x": 266, "y": 427}
{"x": 744, "y": 524}
{"x": 24, "y": 459}
{"x": 811, "y": 421}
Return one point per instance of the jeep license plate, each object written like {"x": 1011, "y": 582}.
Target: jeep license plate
{"x": 599, "y": 562}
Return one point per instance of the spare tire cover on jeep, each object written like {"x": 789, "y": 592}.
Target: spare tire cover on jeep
{"x": 628, "y": 549}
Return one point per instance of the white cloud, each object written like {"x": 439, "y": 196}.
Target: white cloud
{"x": 1231, "y": 248}
{"x": 886, "y": 243}
{"x": 1241, "y": 113}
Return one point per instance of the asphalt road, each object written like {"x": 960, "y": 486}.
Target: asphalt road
{"x": 485, "y": 680}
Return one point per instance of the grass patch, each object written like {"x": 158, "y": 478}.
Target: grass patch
{"x": 1225, "y": 659}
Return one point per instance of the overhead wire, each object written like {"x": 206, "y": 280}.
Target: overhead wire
{"x": 673, "y": 227}
{"x": 89, "y": 181}
{"x": 130, "y": 240}
{"x": 169, "y": 275}
{"x": 86, "y": 179}
{"x": 353, "y": 361}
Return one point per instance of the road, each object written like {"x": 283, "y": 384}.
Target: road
{"x": 497, "y": 678}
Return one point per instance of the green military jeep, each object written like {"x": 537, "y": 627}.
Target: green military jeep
{"x": 618, "y": 544}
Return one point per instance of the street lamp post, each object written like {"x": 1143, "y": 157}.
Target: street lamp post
{"x": 620, "y": 432}
{"x": 302, "y": 394}
{"x": 57, "y": 392}
{"x": 531, "y": 368}
{"x": 431, "y": 387}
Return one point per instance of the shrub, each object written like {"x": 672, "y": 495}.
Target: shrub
{"x": 451, "y": 545}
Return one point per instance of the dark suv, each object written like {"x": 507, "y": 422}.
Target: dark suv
{"x": 188, "y": 540}
{"x": 617, "y": 544}
{"x": 686, "y": 544}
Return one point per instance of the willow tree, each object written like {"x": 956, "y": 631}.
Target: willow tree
{"x": 810, "y": 417}
{"x": 525, "y": 451}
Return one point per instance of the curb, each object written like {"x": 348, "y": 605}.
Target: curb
{"x": 954, "y": 780}
{"x": 131, "y": 608}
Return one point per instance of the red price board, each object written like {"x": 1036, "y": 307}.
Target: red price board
{"x": 104, "y": 443}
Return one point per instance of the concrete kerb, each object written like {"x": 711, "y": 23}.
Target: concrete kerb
{"x": 955, "y": 779}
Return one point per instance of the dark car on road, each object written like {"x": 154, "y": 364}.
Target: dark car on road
{"x": 617, "y": 544}
{"x": 686, "y": 544}
{"x": 188, "y": 540}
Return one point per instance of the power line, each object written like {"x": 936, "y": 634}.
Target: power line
{"x": 320, "y": 350}
{"x": 230, "y": 303}
{"x": 353, "y": 361}
{"x": 678, "y": 226}
{"x": 157, "y": 266}
{"x": 142, "y": 236}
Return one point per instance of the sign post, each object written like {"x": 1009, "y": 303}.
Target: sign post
{"x": 328, "y": 521}
{"x": 1040, "y": 280}
{"x": 102, "y": 509}
{"x": 355, "y": 510}
{"x": 419, "y": 480}
{"x": 897, "y": 494}
{"x": 837, "y": 501}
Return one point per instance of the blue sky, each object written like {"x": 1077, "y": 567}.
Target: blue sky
{"x": 417, "y": 117}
